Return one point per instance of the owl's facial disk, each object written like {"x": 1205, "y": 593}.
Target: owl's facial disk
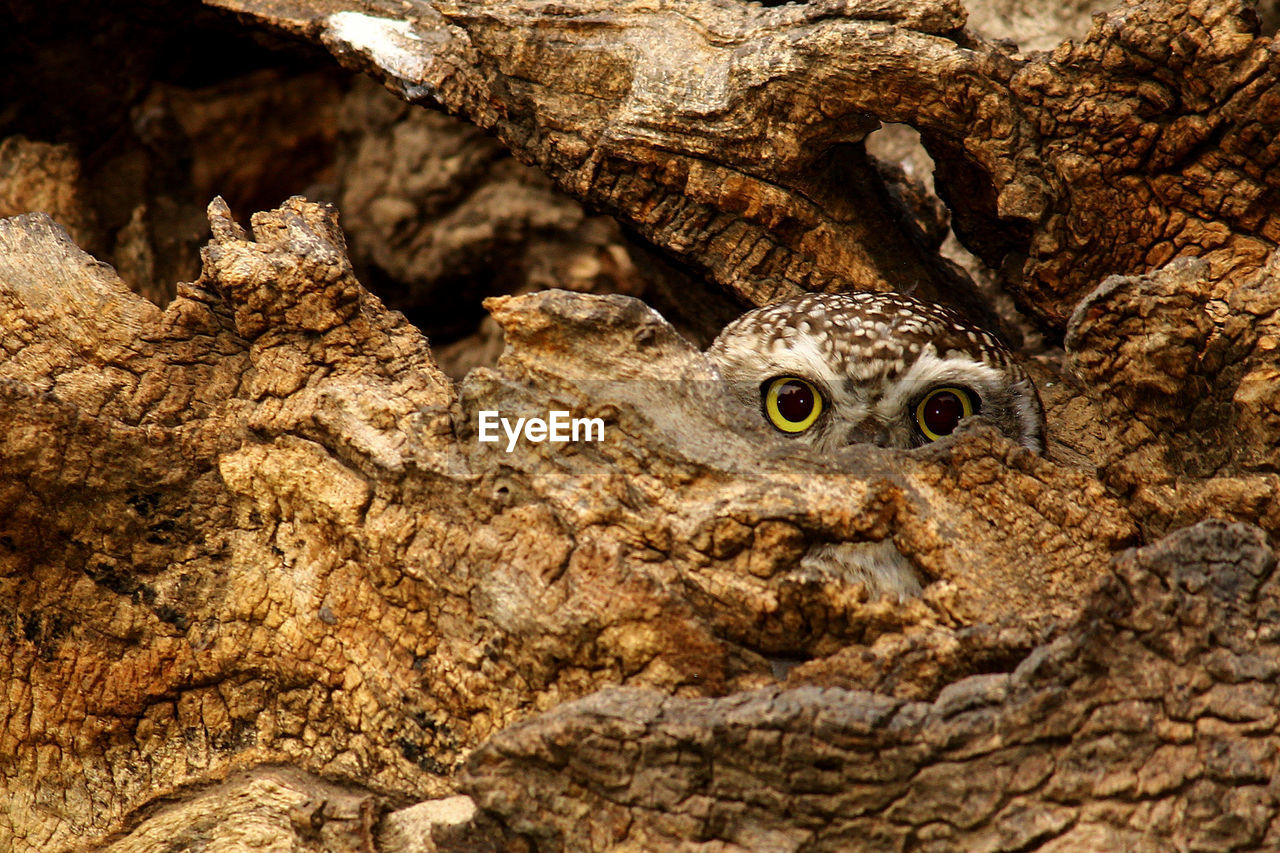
{"x": 834, "y": 370}
{"x": 799, "y": 407}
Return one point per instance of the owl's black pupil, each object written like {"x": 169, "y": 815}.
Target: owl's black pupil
{"x": 795, "y": 401}
{"x": 942, "y": 412}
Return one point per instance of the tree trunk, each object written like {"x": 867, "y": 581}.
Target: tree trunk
{"x": 268, "y": 586}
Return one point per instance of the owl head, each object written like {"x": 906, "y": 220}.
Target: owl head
{"x": 832, "y": 370}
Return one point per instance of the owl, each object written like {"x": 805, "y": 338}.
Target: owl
{"x": 830, "y": 370}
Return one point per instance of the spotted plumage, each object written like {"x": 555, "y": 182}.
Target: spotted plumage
{"x": 873, "y": 357}
{"x": 830, "y": 370}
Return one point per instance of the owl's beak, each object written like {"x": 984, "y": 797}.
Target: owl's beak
{"x": 871, "y": 431}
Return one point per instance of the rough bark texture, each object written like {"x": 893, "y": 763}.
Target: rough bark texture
{"x": 263, "y": 587}
{"x": 1149, "y": 724}
{"x": 277, "y": 538}
{"x": 1164, "y": 109}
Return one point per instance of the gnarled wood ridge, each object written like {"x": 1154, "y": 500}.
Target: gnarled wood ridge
{"x": 265, "y": 586}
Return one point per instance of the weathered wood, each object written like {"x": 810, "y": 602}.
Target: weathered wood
{"x": 263, "y": 585}
{"x": 1150, "y": 724}
{"x": 277, "y": 538}
{"x": 669, "y": 117}
{"x": 728, "y": 133}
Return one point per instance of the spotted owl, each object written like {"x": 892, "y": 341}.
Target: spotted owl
{"x": 830, "y": 370}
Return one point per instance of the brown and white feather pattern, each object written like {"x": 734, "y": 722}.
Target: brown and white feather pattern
{"x": 873, "y": 357}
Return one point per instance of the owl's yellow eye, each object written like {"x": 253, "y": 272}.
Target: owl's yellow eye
{"x": 941, "y": 410}
{"x": 791, "y": 404}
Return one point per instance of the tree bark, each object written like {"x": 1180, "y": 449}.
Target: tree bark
{"x": 265, "y": 585}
